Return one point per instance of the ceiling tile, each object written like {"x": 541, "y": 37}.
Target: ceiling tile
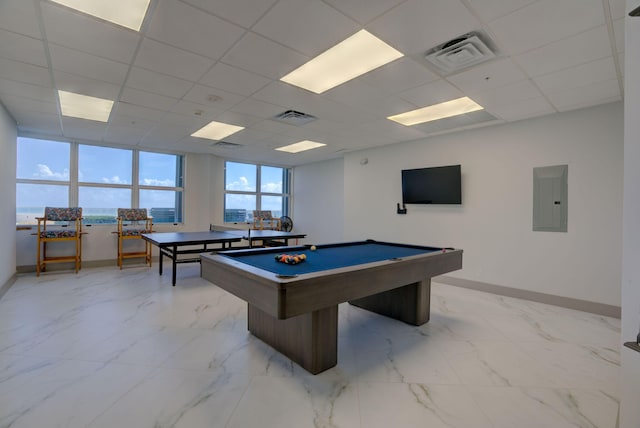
{"x": 489, "y": 75}
{"x": 302, "y": 25}
{"x": 569, "y": 52}
{"x": 78, "y": 31}
{"x": 27, "y": 90}
{"x": 157, "y": 83}
{"x": 215, "y": 98}
{"x": 81, "y": 85}
{"x": 17, "y": 103}
{"x": 431, "y": 93}
{"x": 86, "y": 65}
{"x": 258, "y": 108}
{"x": 19, "y": 16}
{"x": 546, "y": 21}
{"x": 233, "y": 79}
{"x": 522, "y": 109}
{"x": 399, "y": 75}
{"x": 618, "y": 30}
{"x": 47, "y": 125}
{"x": 489, "y": 10}
{"x": 146, "y": 99}
{"x": 239, "y": 119}
{"x": 188, "y": 28}
{"x": 83, "y": 129}
{"x": 124, "y": 134}
{"x": 617, "y": 8}
{"x": 585, "y": 96}
{"x": 416, "y": 26}
{"x": 306, "y": 102}
{"x": 362, "y": 96}
{"x": 138, "y": 113}
{"x": 241, "y": 12}
{"x": 363, "y": 11}
{"x": 22, "y": 48}
{"x": 509, "y": 94}
{"x": 188, "y": 108}
{"x": 172, "y": 61}
{"x": 26, "y": 73}
{"x": 582, "y": 75}
{"x": 267, "y": 58}
{"x": 126, "y": 118}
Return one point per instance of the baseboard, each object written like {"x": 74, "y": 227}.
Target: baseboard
{"x": 550, "y": 299}
{"x": 7, "y": 285}
{"x": 54, "y": 267}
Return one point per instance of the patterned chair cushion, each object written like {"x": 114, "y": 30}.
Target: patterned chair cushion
{"x": 57, "y": 234}
{"x": 133, "y": 232}
{"x": 262, "y": 215}
{"x": 62, "y": 214}
{"x": 132, "y": 214}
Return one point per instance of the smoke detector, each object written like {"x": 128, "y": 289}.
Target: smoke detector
{"x": 459, "y": 53}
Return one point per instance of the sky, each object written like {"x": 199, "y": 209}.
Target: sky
{"x": 50, "y": 160}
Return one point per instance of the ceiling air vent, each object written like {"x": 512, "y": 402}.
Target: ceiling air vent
{"x": 293, "y": 117}
{"x": 225, "y": 145}
{"x": 459, "y": 53}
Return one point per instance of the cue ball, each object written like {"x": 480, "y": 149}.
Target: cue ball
{"x": 312, "y": 248}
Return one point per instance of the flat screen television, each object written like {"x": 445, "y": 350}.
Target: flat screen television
{"x": 436, "y": 185}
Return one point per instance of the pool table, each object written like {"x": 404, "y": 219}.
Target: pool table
{"x": 294, "y": 308}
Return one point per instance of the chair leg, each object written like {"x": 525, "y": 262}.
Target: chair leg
{"x": 38, "y": 258}
{"x": 120, "y": 252}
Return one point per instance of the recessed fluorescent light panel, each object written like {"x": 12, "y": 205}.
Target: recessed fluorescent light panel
{"x": 347, "y": 60}
{"x": 127, "y": 13}
{"x": 438, "y": 111}
{"x": 300, "y": 146}
{"x": 84, "y": 106}
{"x": 216, "y": 130}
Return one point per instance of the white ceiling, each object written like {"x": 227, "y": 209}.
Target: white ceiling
{"x": 200, "y": 60}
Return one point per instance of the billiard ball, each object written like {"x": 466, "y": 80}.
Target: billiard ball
{"x": 313, "y": 248}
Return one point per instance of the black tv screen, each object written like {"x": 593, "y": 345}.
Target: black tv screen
{"x": 437, "y": 185}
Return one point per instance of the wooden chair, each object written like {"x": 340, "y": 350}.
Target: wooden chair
{"x": 264, "y": 220}
{"x": 59, "y": 225}
{"x": 139, "y": 223}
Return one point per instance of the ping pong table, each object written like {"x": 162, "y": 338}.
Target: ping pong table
{"x": 175, "y": 245}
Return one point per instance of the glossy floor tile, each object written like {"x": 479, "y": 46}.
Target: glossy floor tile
{"x": 112, "y": 348}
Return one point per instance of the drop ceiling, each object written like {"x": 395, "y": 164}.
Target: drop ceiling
{"x": 195, "y": 61}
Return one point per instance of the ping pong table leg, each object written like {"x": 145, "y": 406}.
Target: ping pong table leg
{"x": 160, "y": 260}
{"x": 174, "y": 258}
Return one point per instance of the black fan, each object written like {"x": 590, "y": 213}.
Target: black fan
{"x": 286, "y": 224}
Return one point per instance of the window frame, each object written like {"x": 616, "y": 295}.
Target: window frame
{"x": 73, "y": 184}
{"x": 258, "y": 194}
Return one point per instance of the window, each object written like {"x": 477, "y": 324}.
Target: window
{"x": 160, "y": 184}
{"x": 242, "y": 196}
{"x": 98, "y": 179}
{"x": 104, "y": 182}
{"x": 42, "y": 172}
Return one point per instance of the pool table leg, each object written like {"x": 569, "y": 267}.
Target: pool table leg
{"x": 311, "y": 339}
{"x": 410, "y": 303}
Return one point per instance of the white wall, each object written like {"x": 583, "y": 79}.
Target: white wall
{"x": 318, "y": 201}
{"x": 8, "y": 135}
{"x": 494, "y": 224}
{"x": 203, "y": 205}
{"x": 630, "y": 360}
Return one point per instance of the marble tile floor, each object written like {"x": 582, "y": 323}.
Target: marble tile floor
{"x": 111, "y": 348}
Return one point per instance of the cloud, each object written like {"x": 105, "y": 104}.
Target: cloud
{"x": 114, "y": 180}
{"x": 168, "y": 182}
{"x": 272, "y": 187}
{"x": 241, "y": 184}
{"x": 45, "y": 172}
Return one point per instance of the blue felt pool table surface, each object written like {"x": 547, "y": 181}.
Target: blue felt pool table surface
{"x": 327, "y": 257}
